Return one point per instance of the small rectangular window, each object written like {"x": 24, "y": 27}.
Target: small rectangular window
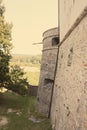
{"x": 55, "y": 41}
{"x": 46, "y": 81}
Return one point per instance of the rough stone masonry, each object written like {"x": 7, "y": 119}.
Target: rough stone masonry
{"x": 47, "y": 75}
{"x": 63, "y": 96}
{"x": 69, "y": 102}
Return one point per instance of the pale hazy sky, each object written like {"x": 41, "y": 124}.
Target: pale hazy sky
{"x": 30, "y": 19}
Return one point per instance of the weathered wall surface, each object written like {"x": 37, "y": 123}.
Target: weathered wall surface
{"x": 69, "y": 97}
{"x": 48, "y": 64}
{"x": 69, "y": 103}
{"x": 69, "y": 12}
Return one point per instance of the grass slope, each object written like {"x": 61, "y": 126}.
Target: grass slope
{"x": 23, "y": 108}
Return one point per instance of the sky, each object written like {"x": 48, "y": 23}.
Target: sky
{"x": 30, "y": 18}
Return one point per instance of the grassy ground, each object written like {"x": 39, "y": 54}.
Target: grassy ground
{"x": 22, "y": 109}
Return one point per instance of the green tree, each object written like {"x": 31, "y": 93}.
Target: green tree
{"x": 10, "y": 77}
{"x": 5, "y": 47}
{"x": 17, "y": 82}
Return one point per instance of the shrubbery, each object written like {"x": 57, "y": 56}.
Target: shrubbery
{"x": 17, "y": 82}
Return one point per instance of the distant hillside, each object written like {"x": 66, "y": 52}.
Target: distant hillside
{"x": 30, "y": 64}
{"x": 26, "y": 59}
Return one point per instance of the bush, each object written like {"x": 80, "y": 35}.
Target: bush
{"x": 17, "y": 82}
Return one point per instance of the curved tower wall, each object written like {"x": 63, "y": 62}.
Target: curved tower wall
{"x": 47, "y": 75}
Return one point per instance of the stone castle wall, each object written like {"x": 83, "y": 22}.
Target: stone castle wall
{"x": 48, "y": 65}
{"x": 70, "y": 10}
{"x": 69, "y": 102}
{"x": 62, "y": 92}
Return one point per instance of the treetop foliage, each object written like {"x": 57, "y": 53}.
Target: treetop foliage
{"x": 5, "y": 47}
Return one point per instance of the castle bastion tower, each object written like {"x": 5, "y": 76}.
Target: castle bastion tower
{"x": 47, "y": 73}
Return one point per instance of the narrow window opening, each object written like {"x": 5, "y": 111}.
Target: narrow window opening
{"x": 55, "y": 41}
{"x": 47, "y": 81}
{"x": 70, "y": 57}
